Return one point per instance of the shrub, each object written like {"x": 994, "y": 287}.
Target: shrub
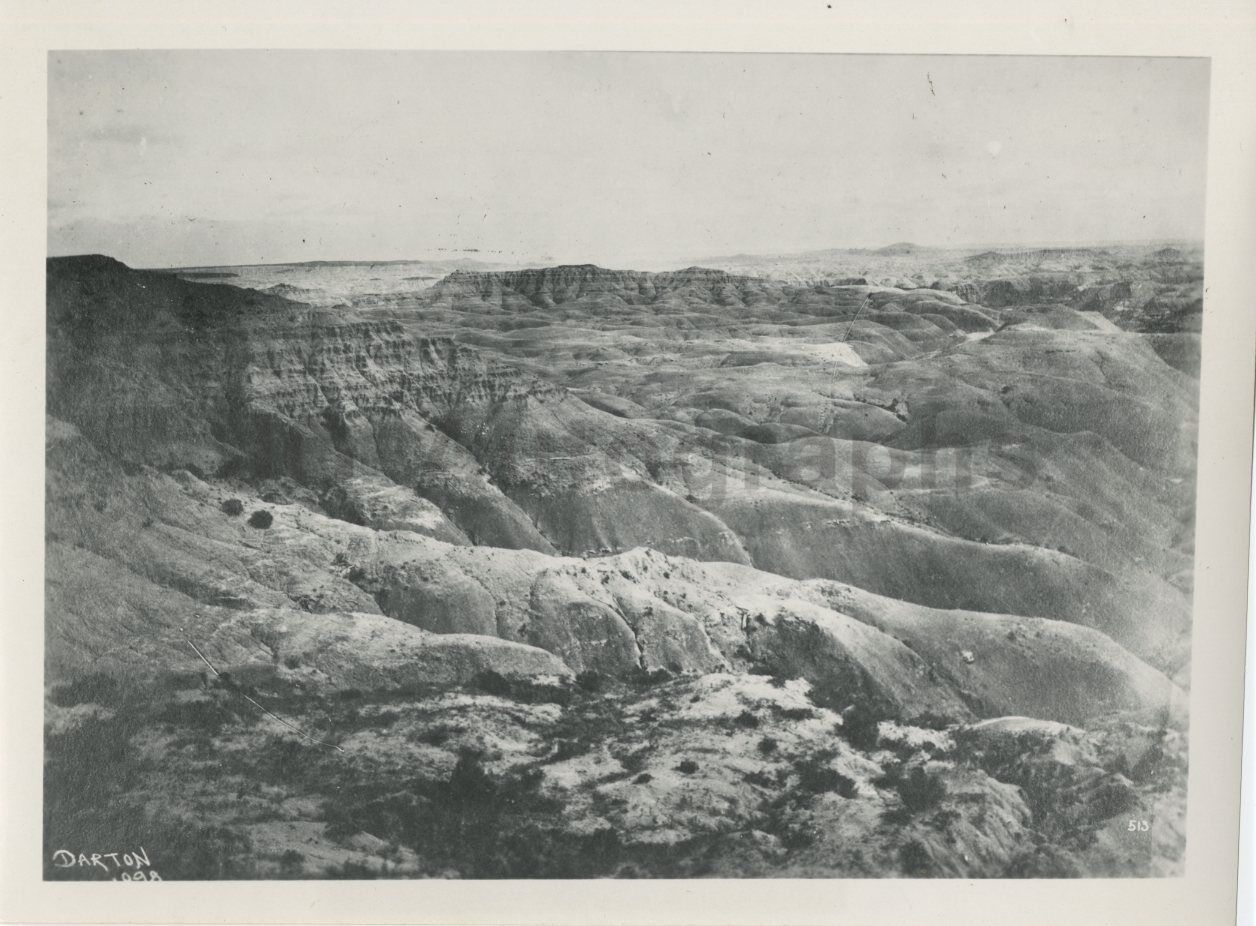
{"x": 760, "y": 779}
{"x": 687, "y": 766}
{"x": 1043, "y": 861}
{"x": 97, "y": 688}
{"x": 634, "y": 761}
{"x": 931, "y": 721}
{"x": 942, "y": 820}
{"x": 591, "y": 681}
{"x": 494, "y": 683}
{"x": 816, "y": 776}
{"x": 643, "y": 778}
{"x": 261, "y": 518}
{"x": 469, "y": 783}
{"x": 796, "y": 713}
{"x": 799, "y": 836}
{"x": 208, "y": 716}
{"x": 647, "y": 677}
{"x": 914, "y": 858}
{"x": 767, "y": 745}
{"x": 436, "y": 736}
{"x": 747, "y": 720}
{"x": 1111, "y": 798}
{"x": 291, "y": 863}
{"x": 233, "y": 507}
{"x": 350, "y": 871}
{"x": 340, "y": 823}
{"x": 192, "y": 851}
{"x": 861, "y": 729}
{"x": 919, "y": 790}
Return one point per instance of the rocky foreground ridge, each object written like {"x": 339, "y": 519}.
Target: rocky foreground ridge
{"x": 679, "y": 573}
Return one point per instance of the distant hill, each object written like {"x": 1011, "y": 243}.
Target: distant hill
{"x": 903, "y": 248}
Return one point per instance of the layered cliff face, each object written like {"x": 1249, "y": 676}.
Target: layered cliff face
{"x": 1143, "y": 288}
{"x": 519, "y": 502}
{"x": 592, "y": 286}
{"x": 161, "y": 371}
{"x": 900, "y": 440}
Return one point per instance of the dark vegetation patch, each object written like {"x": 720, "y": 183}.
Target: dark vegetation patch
{"x": 793, "y": 713}
{"x": 435, "y": 736}
{"x": 919, "y": 790}
{"x": 646, "y": 678}
{"x": 96, "y": 688}
{"x": 208, "y": 716}
{"x": 914, "y": 859}
{"x": 94, "y": 797}
{"x": 481, "y": 821}
{"x": 817, "y": 776}
{"x": 861, "y": 728}
{"x": 591, "y": 681}
{"x": 928, "y": 720}
{"x": 261, "y": 519}
{"x": 523, "y": 690}
{"x": 481, "y": 825}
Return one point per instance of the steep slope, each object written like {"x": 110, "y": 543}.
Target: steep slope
{"x": 160, "y": 552}
{"x": 889, "y": 438}
{"x": 579, "y": 572}
{"x": 1032, "y": 471}
{"x": 178, "y": 374}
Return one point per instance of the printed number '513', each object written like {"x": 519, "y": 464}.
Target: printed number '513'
{"x": 1139, "y": 826}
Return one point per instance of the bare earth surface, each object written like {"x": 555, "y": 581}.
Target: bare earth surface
{"x": 851, "y": 564}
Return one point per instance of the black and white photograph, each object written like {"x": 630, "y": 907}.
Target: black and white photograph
{"x": 580, "y": 465}
{"x": 532, "y": 465}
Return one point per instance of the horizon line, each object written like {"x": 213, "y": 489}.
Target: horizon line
{"x": 550, "y": 261}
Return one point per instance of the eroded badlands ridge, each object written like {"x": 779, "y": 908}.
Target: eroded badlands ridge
{"x": 921, "y": 509}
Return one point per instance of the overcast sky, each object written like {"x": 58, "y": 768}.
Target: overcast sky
{"x": 210, "y": 157}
